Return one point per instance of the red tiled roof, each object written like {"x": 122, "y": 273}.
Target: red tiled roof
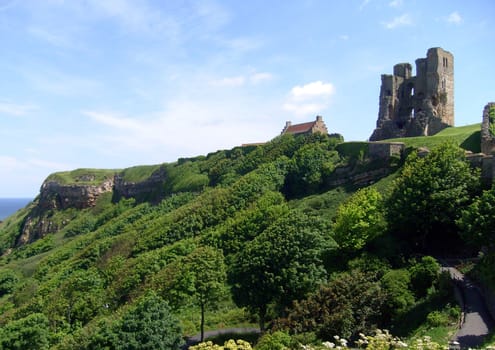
{"x": 299, "y": 128}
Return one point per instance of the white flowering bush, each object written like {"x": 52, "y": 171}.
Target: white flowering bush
{"x": 381, "y": 340}
{"x": 228, "y": 345}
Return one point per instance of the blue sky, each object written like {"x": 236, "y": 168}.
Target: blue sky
{"x": 118, "y": 83}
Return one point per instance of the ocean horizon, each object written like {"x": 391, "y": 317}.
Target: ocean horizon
{"x": 9, "y": 206}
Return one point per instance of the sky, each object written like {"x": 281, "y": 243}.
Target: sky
{"x": 118, "y": 83}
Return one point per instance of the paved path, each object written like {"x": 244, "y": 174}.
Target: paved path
{"x": 477, "y": 322}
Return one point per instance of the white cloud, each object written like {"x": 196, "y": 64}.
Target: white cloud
{"x": 113, "y": 120}
{"x": 256, "y": 78}
{"x": 400, "y": 21}
{"x": 53, "y": 38}
{"x": 309, "y": 99}
{"x": 363, "y": 4}
{"x": 312, "y": 90}
{"x": 395, "y": 3}
{"x": 16, "y": 109}
{"x": 454, "y": 18}
{"x": 242, "y": 80}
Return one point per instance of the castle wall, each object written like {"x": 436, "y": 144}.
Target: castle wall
{"x": 487, "y": 138}
{"x": 420, "y": 105}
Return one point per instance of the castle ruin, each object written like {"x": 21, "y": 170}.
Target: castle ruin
{"x": 420, "y": 105}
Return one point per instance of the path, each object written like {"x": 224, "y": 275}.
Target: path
{"x": 477, "y": 322}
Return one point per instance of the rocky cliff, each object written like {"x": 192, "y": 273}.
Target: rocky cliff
{"x": 81, "y": 189}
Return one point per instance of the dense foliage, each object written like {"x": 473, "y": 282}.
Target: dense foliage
{"x": 254, "y": 235}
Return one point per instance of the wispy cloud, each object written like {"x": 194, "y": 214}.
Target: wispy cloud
{"x": 241, "y": 80}
{"x": 400, "y": 21}
{"x": 51, "y": 37}
{"x": 257, "y": 78}
{"x": 309, "y": 99}
{"x": 454, "y": 18}
{"x": 56, "y": 82}
{"x": 363, "y": 4}
{"x": 395, "y": 3}
{"x": 134, "y": 16}
{"x": 16, "y": 109}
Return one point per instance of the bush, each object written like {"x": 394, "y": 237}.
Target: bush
{"x": 424, "y": 274}
{"x": 228, "y": 345}
{"x": 275, "y": 341}
{"x": 8, "y": 281}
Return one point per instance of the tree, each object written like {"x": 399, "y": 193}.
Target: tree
{"x": 397, "y": 284}
{"x": 424, "y": 274}
{"x": 280, "y": 265}
{"x": 359, "y": 220}
{"x": 428, "y": 197}
{"x": 477, "y": 222}
{"x": 30, "y": 332}
{"x": 348, "y": 304}
{"x": 149, "y": 325}
{"x": 78, "y": 299}
{"x": 8, "y": 281}
{"x": 310, "y": 165}
{"x": 204, "y": 276}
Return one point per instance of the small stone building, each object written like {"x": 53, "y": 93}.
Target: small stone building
{"x": 317, "y": 126}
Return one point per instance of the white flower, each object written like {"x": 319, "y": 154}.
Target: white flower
{"x": 329, "y": 345}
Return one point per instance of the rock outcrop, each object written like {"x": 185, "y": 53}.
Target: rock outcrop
{"x": 54, "y": 195}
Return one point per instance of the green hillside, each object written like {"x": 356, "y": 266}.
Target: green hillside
{"x": 467, "y": 137}
{"x": 242, "y": 234}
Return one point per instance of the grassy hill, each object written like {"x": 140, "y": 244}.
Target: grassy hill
{"x": 100, "y": 261}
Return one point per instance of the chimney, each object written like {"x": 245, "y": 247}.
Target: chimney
{"x": 319, "y": 118}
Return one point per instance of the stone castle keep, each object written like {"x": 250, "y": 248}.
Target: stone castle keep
{"x": 420, "y": 105}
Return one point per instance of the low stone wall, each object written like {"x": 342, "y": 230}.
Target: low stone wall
{"x": 487, "y": 138}
{"x": 385, "y": 150}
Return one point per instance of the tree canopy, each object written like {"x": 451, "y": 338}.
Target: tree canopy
{"x": 429, "y": 195}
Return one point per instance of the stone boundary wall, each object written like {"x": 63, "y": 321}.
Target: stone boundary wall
{"x": 487, "y": 138}
{"x": 385, "y": 150}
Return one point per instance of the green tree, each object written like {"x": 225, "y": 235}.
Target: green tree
{"x": 424, "y": 274}
{"x": 428, "y": 197}
{"x": 310, "y": 165}
{"x": 280, "y": 265}
{"x": 8, "y": 281}
{"x": 397, "y": 284}
{"x": 30, "y": 332}
{"x": 359, "y": 220}
{"x": 203, "y": 275}
{"x": 78, "y": 299}
{"x": 149, "y": 325}
{"x": 348, "y": 304}
{"x": 477, "y": 222}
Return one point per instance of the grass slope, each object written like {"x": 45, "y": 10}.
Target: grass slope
{"x": 467, "y": 137}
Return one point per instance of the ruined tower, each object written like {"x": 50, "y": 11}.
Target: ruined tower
{"x": 420, "y": 105}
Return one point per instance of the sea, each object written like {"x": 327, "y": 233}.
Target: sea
{"x": 9, "y": 206}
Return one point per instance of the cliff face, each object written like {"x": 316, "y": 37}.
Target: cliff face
{"x": 54, "y": 195}
{"x": 150, "y": 189}
{"x": 83, "y": 193}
